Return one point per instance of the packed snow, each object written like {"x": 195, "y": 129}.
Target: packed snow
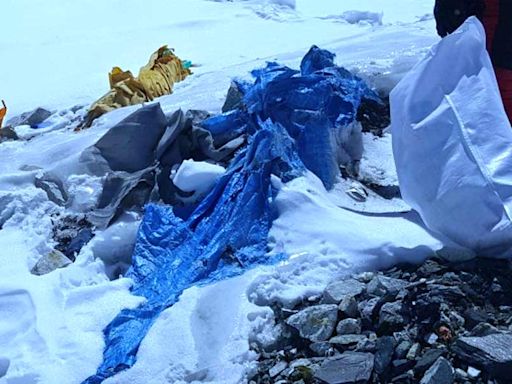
{"x": 57, "y": 55}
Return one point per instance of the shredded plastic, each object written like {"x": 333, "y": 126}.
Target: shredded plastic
{"x": 294, "y": 122}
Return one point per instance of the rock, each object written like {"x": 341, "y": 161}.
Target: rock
{"x": 407, "y": 377}
{"x": 4, "y": 366}
{"x": 383, "y": 286}
{"x": 368, "y": 309}
{"x": 278, "y": 368}
{"x": 315, "y": 323}
{"x": 461, "y": 374}
{"x": 441, "y": 293}
{"x": 384, "y": 355}
{"x": 348, "y": 307}
{"x": 349, "y": 326}
{"x": 484, "y": 329}
{"x": 32, "y": 118}
{"x": 492, "y": 353}
{"x": 301, "y": 373}
{"x": 414, "y": 351}
{"x": 390, "y": 317}
{"x": 320, "y": 349}
{"x": 346, "y": 340}
{"x": 349, "y": 367}
{"x": 474, "y": 316}
{"x": 50, "y": 263}
{"x": 234, "y": 98}
{"x": 402, "y": 348}
{"x": 429, "y": 268}
{"x": 337, "y": 291}
{"x": 439, "y": 373}
{"x": 365, "y": 277}
{"x": 429, "y": 358}
{"x": 7, "y": 133}
{"x": 367, "y": 345}
{"x": 399, "y": 367}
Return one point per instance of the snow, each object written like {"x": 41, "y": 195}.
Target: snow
{"x": 57, "y": 54}
{"x": 197, "y": 176}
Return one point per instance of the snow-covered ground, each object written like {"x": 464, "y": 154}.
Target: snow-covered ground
{"x": 57, "y": 54}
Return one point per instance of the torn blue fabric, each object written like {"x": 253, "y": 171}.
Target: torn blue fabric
{"x": 226, "y": 235}
{"x": 316, "y": 107}
{"x": 293, "y": 121}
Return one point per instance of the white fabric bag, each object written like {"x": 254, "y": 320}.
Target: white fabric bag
{"x": 452, "y": 143}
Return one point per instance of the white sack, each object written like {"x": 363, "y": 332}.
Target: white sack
{"x": 452, "y": 143}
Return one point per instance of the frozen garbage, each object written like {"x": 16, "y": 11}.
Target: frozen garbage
{"x": 293, "y": 121}
{"x": 156, "y": 78}
{"x": 452, "y": 143}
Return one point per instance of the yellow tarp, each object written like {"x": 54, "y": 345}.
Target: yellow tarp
{"x": 155, "y": 79}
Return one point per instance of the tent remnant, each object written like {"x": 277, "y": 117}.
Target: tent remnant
{"x": 156, "y": 78}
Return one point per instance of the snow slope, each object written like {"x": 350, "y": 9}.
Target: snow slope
{"x": 58, "y": 55}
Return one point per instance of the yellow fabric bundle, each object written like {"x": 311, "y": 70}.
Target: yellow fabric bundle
{"x": 155, "y": 79}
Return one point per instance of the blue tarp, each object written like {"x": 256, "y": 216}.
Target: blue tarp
{"x": 292, "y": 121}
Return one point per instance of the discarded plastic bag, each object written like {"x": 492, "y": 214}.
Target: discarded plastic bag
{"x": 452, "y": 144}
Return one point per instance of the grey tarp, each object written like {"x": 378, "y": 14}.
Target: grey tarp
{"x": 138, "y": 154}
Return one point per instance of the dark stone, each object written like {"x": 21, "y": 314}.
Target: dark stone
{"x": 234, "y": 98}
{"x": 439, "y": 373}
{"x": 315, "y": 323}
{"x": 429, "y": 268}
{"x": 474, "y": 316}
{"x": 349, "y": 367}
{"x": 347, "y": 340}
{"x": 7, "y": 133}
{"x": 484, "y": 329}
{"x": 367, "y": 345}
{"x": 443, "y": 293}
{"x": 321, "y": 349}
{"x": 428, "y": 358}
{"x": 493, "y": 353}
{"x": 32, "y": 118}
{"x": 399, "y": 367}
{"x": 391, "y": 317}
{"x": 337, "y": 291}
{"x": 384, "y": 286}
{"x": 349, "y": 327}
{"x": 368, "y": 310}
{"x": 348, "y": 307}
{"x": 402, "y": 348}
{"x": 384, "y": 355}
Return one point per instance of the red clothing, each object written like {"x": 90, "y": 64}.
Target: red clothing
{"x": 491, "y": 19}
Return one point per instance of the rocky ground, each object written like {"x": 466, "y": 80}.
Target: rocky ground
{"x": 437, "y": 323}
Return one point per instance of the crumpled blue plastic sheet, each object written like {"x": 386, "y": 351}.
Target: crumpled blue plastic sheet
{"x": 315, "y": 106}
{"x": 226, "y": 235}
{"x": 291, "y": 121}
